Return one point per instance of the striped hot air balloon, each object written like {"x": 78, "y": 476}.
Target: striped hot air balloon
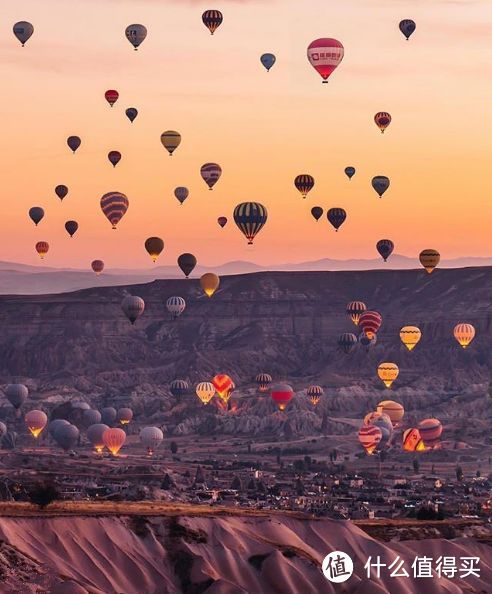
{"x": 205, "y": 392}
{"x": 336, "y": 216}
{"x": 385, "y": 248}
{"x": 212, "y": 19}
{"x": 175, "y": 306}
{"x": 223, "y": 385}
{"x": 304, "y": 183}
{"x": 430, "y": 431}
{"x": 429, "y": 259}
{"x": 133, "y": 307}
{"x": 179, "y": 387}
{"x": 383, "y": 120}
{"x": 369, "y": 438}
{"x": 314, "y": 394}
{"x": 210, "y": 173}
{"x": 42, "y": 247}
{"x": 464, "y": 334}
{"x": 388, "y": 372}
{"x": 114, "y": 206}
{"x": 354, "y": 310}
{"x": 170, "y": 141}
{"x": 394, "y": 410}
{"x": 347, "y": 342}
{"x": 412, "y": 441}
{"x": 181, "y": 194}
{"x": 410, "y": 336}
{"x": 370, "y": 322}
{"x": 250, "y": 217}
{"x": 263, "y": 380}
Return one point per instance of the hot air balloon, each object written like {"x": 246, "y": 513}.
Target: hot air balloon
{"x": 250, "y": 217}
{"x": 114, "y": 157}
{"x": 42, "y": 247}
{"x": 181, "y": 194}
{"x": 205, "y": 392}
{"x": 66, "y": 436}
{"x": 385, "y": 248}
{"x": 212, "y": 19}
{"x": 370, "y": 322}
{"x": 91, "y": 417}
{"x": 131, "y": 113}
{"x": 154, "y": 247}
{"x": 114, "y": 206}
{"x": 23, "y": 31}
{"x": 325, "y": 55}
{"x": 9, "y": 440}
{"x": 336, "y": 216}
{"x": 383, "y": 422}
{"x": 61, "y": 191}
{"x": 95, "y": 436}
{"x": 53, "y": 425}
{"x": 366, "y": 341}
{"x": 223, "y": 385}
{"x": 412, "y": 441}
{"x": 314, "y": 394}
{"x": 114, "y": 439}
{"x": 369, "y": 438}
{"x": 222, "y": 221}
{"x": 151, "y": 438}
{"x": 317, "y": 212}
{"x": 71, "y": 227}
{"x": 108, "y": 415}
{"x": 304, "y": 183}
{"x": 388, "y": 372}
{"x": 209, "y": 283}
{"x": 394, "y": 410}
{"x": 3, "y": 429}
{"x": 380, "y": 183}
{"x": 350, "y": 172}
{"x": 464, "y": 334}
{"x": 179, "y": 387}
{"x": 111, "y": 97}
{"x": 263, "y": 380}
{"x": 136, "y": 34}
{"x": 97, "y": 266}
{"x": 175, "y": 306}
{"x": 268, "y": 60}
{"x": 347, "y": 342}
{"x": 36, "y": 214}
{"x": 410, "y": 336}
{"x": 383, "y": 120}
{"x": 170, "y": 141}
{"x": 282, "y": 394}
{"x": 124, "y": 415}
{"x": 74, "y": 142}
{"x": 430, "y": 431}
{"x": 210, "y": 173}
{"x": 133, "y": 307}
{"x": 36, "y": 421}
{"x": 375, "y": 415}
{"x": 429, "y": 259}
{"x": 354, "y": 310}
{"x": 187, "y": 263}
{"x": 407, "y": 27}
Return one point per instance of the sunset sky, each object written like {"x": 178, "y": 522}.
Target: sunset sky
{"x": 263, "y": 128}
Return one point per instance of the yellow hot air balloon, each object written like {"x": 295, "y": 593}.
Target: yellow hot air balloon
{"x": 388, "y": 372}
{"x": 394, "y": 410}
{"x": 205, "y": 391}
{"x": 210, "y": 283}
{"x": 429, "y": 259}
{"x": 464, "y": 334}
{"x": 410, "y": 336}
{"x": 170, "y": 141}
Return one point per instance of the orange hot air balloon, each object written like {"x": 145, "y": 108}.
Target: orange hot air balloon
{"x": 410, "y": 336}
{"x": 42, "y": 247}
{"x": 464, "y": 334}
{"x": 355, "y": 309}
{"x": 114, "y": 439}
{"x": 388, "y": 372}
{"x": 36, "y": 421}
{"x": 430, "y": 431}
{"x": 412, "y": 441}
{"x": 383, "y": 120}
{"x": 314, "y": 394}
{"x": 205, "y": 392}
{"x": 429, "y": 259}
{"x": 394, "y": 410}
{"x": 97, "y": 266}
{"x": 282, "y": 394}
{"x": 210, "y": 283}
{"x": 369, "y": 438}
{"x": 223, "y": 385}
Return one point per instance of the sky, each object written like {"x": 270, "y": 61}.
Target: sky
{"x": 262, "y": 128}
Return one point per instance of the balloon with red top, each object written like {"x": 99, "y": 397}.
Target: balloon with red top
{"x": 282, "y": 394}
{"x": 325, "y": 55}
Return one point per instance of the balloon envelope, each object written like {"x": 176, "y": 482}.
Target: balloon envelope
{"x": 61, "y": 191}
{"x": 187, "y": 263}
{"x": 210, "y": 173}
{"x": 407, "y": 27}
{"x": 175, "y": 306}
{"x": 136, "y": 34}
{"x": 212, "y": 19}
{"x": 114, "y": 157}
{"x": 133, "y": 307}
{"x": 336, "y": 216}
{"x": 71, "y": 227}
{"x": 325, "y": 55}
{"x": 42, "y": 247}
{"x": 317, "y": 212}
{"x": 282, "y": 394}
{"x": 74, "y": 142}
{"x": 304, "y": 183}
{"x": 111, "y": 96}
{"x": 380, "y": 183}
{"x": 23, "y": 30}
{"x": 131, "y": 113}
{"x": 114, "y": 206}
{"x": 171, "y": 140}
{"x": 209, "y": 283}
{"x": 181, "y": 194}
{"x": 154, "y": 247}
{"x": 250, "y": 217}
{"x": 36, "y": 214}
{"x": 350, "y": 172}
{"x": 464, "y": 334}
{"x": 114, "y": 439}
{"x": 385, "y": 248}
{"x": 268, "y": 60}
{"x": 429, "y": 259}
{"x": 97, "y": 266}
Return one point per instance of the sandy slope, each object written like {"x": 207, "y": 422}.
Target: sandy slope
{"x": 222, "y": 555}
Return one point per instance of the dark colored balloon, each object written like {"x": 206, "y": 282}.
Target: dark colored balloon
{"x": 74, "y": 142}
{"x": 131, "y": 113}
{"x": 304, "y": 183}
{"x": 250, "y": 217}
{"x": 108, "y": 415}
{"x": 179, "y": 387}
{"x": 347, "y": 342}
{"x": 212, "y": 19}
{"x": 407, "y": 27}
{"x": 71, "y": 227}
{"x": 268, "y": 60}
{"x": 380, "y": 183}
{"x": 317, "y": 212}
{"x": 36, "y": 213}
{"x": 336, "y": 216}
{"x": 154, "y": 247}
{"x": 385, "y": 248}
{"x": 222, "y": 221}
{"x": 350, "y": 172}
{"x": 187, "y": 263}
{"x": 114, "y": 157}
{"x": 61, "y": 191}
